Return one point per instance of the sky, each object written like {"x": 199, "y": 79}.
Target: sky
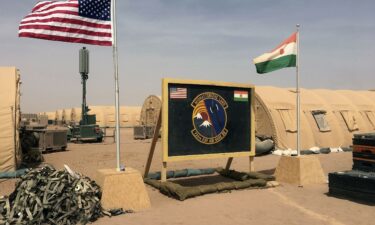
{"x": 212, "y": 40}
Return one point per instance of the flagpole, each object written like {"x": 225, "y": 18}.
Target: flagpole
{"x": 115, "y": 65}
{"x": 298, "y": 96}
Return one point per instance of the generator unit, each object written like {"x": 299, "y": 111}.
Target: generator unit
{"x": 86, "y": 132}
{"x": 35, "y": 134}
{"x": 44, "y": 139}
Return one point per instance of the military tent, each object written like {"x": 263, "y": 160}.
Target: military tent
{"x": 10, "y": 152}
{"x": 329, "y": 118}
{"x": 150, "y": 110}
{"x": 105, "y": 115}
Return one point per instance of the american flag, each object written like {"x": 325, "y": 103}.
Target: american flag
{"x": 177, "y": 93}
{"x": 78, "y": 21}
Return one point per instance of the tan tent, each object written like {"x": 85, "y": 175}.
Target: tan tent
{"x": 105, "y": 115}
{"x": 58, "y": 115}
{"x": 73, "y": 115}
{"x": 76, "y": 114}
{"x": 63, "y": 116}
{"x": 68, "y": 115}
{"x": 150, "y": 110}
{"x": 129, "y": 116}
{"x": 329, "y": 118}
{"x": 50, "y": 115}
{"x": 99, "y": 111}
{"x": 10, "y": 152}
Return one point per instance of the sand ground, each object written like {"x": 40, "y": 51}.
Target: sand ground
{"x": 286, "y": 204}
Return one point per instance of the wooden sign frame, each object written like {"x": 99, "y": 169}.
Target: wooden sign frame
{"x": 164, "y": 120}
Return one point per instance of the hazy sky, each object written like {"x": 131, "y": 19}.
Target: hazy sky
{"x": 195, "y": 39}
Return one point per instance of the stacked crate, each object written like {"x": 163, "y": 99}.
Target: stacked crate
{"x": 364, "y": 152}
{"x": 358, "y": 183}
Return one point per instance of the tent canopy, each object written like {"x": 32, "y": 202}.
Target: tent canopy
{"x": 9, "y": 119}
{"x": 329, "y": 118}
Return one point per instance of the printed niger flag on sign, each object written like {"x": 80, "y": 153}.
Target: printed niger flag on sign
{"x": 242, "y": 96}
{"x": 284, "y": 55}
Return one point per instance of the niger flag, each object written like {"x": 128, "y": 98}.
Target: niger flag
{"x": 282, "y": 56}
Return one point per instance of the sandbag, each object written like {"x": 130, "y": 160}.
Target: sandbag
{"x": 240, "y": 185}
{"x": 194, "y": 172}
{"x": 182, "y": 173}
{"x": 13, "y": 174}
{"x": 207, "y": 171}
{"x": 225, "y": 186}
{"x": 152, "y": 182}
{"x": 207, "y": 189}
{"x": 325, "y": 150}
{"x": 257, "y": 175}
{"x": 177, "y": 191}
{"x": 308, "y": 152}
{"x": 233, "y": 174}
{"x": 182, "y": 193}
{"x": 256, "y": 182}
{"x": 153, "y": 176}
{"x": 347, "y": 149}
{"x": 168, "y": 190}
{"x": 263, "y": 147}
{"x": 241, "y": 176}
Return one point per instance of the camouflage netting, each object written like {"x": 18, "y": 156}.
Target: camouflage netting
{"x": 47, "y": 196}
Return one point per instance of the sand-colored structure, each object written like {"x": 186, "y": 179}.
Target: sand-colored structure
{"x": 329, "y": 118}
{"x": 150, "y": 110}
{"x": 105, "y": 115}
{"x": 10, "y": 151}
{"x": 123, "y": 189}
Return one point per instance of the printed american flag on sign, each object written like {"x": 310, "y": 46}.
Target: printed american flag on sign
{"x": 178, "y": 93}
{"x": 78, "y": 21}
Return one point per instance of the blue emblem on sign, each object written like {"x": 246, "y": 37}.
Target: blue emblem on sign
{"x": 209, "y": 118}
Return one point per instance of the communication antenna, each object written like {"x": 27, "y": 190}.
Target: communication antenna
{"x": 84, "y": 71}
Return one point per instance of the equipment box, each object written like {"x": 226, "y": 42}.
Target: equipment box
{"x": 49, "y": 140}
{"x": 353, "y": 184}
{"x": 143, "y": 132}
{"x": 53, "y": 140}
{"x": 88, "y": 133}
{"x": 367, "y": 165}
{"x": 367, "y": 139}
{"x": 364, "y": 152}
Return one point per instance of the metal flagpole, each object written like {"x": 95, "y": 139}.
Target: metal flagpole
{"x": 298, "y": 96}
{"x": 115, "y": 65}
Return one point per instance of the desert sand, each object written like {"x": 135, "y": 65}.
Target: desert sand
{"x": 286, "y": 204}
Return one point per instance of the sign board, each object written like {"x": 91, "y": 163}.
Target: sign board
{"x": 202, "y": 119}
